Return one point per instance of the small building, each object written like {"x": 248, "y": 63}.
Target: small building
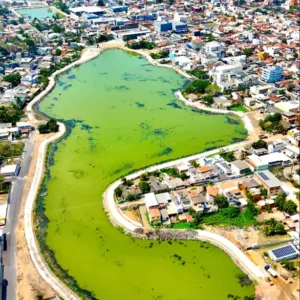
{"x": 154, "y": 215}
{"x": 211, "y": 193}
{"x": 10, "y": 170}
{"x": 285, "y": 252}
{"x": 193, "y": 97}
{"x": 271, "y": 183}
{"x": 262, "y": 204}
{"x": 163, "y": 199}
{"x": 249, "y": 183}
{"x": 150, "y": 201}
{"x": 240, "y": 167}
{"x": 164, "y": 215}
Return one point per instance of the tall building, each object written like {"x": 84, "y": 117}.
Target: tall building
{"x": 272, "y": 74}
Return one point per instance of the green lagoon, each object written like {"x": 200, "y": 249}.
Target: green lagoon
{"x": 123, "y": 116}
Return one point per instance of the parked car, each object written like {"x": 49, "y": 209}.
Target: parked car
{"x": 4, "y": 283}
{"x": 4, "y": 242}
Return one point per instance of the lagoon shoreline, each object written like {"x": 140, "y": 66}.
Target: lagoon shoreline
{"x": 38, "y": 259}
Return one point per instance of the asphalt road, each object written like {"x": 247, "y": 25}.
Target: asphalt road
{"x": 9, "y": 256}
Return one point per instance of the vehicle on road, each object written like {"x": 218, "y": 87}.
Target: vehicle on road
{"x": 4, "y": 283}
{"x": 271, "y": 271}
{"x": 4, "y": 242}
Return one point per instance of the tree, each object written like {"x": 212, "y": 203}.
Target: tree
{"x": 208, "y": 99}
{"x": 62, "y": 6}
{"x": 230, "y": 212}
{"x": 197, "y": 86}
{"x": 228, "y": 156}
{"x": 118, "y": 192}
{"x": 289, "y": 265}
{"x": 144, "y": 177}
{"x": 50, "y": 126}
{"x": 273, "y": 227}
{"x": 280, "y": 201}
{"x": 289, "y": 207}
{"x": 1, "y": 182}
{"x": 266, "y": 55}
{"x": 282, "y": 92}
{"x": 221, "y": 201}
{"x": 213, "y": 89}
{"x": 183, "y": 176}
{"x": 100, "y": 3}
{"x": 260, "y": 144}
{"x": 291, "y": 86}
{"x": 144, "y": 187}
{"x": 57, "y": 52}
{"x": 194, "y": 163}
{"x": 13, "y": 78}
{"x": 10, "y": 114}
{"x": 248, "y": 52}
{"x": 252, "y": 209}
{"x": 31, "y": 45}
{"x": 264, "y": 192}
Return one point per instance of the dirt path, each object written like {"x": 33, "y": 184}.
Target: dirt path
{"x": 30, "y": 283}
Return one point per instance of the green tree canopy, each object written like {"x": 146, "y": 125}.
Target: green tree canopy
{"x": 144, "y": 187}
{"x": 197, "y": 86}
{"x": 213, "y": 89}
{"x": 13, "y": 78}
{"x": 221, "y": 201}
{"x": 260, "y": 144}
{"x": 290, "y": 207}
{"x": 248, "y": 52}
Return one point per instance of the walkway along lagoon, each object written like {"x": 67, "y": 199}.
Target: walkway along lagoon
{"x": 122, "y": 115}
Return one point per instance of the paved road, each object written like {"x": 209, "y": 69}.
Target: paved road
{"x": 9, "y": 256}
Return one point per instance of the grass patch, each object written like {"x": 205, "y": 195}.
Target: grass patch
{"x": 239, "y": 108}
{"x": 218, "y": 218}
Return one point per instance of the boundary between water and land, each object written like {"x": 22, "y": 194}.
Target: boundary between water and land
{"x": 37, "y": 257}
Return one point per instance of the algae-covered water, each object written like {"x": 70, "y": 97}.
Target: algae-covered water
{"x": 124, "y": 116}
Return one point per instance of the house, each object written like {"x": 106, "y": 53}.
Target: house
{"x": 240, "y": 167}
{"x": 154, "y": 215}
{"x": 163, "y": 199}
{"x": 272, "y": 74}
{"x": 259, "y": 152}
{"x": 293, "y": 136}
{"x": 276, "y": 146}
{"x": 30, "y": 79}
{"x": 164, "y": 215}
{"x": 193, "y": 97}
{"x": 271, "y": 183}
{"x": 255, "y": 193}
{"x": 174, "y": 183}
{"x": 150, "y": 201}
{"x": 10, "y": 170}
{"x": 211, "y": 193}
{"x": 249, "y": 183}
{"x": 264, "y": 162}
{"x": 177, "y": 206}
{"x": 156, "y": 186}
{"x": 225, "y": 167}
{"x": 262, "y": 204}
